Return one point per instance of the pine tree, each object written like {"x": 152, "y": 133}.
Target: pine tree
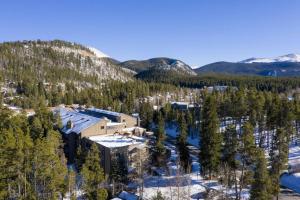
{"x": 80, "y": 157}
{"x": 115, "y": 175}
{"x": 210, "y": 138}
{"x": 146, "y": 115}
{"x": 49, "y": 166}
{"x": 239, "y": 106}
{"x": 118, "y": 173}
{"x": 7, "y": 166}
{"x": 30, "y": 169}
{"x": 230, "y": 151}
{"x": 182, "y": 144}
{"x": 36, "y": 129}
{"x": 247, "y": 152}
{"x": 58, "y": 122}
{"x": 159, "y": 148}
{"x": 93, "y": 176}
{"x": 279, "y": 158}
{"x": 15, "y": 162}
{"x": 260, "y": 186}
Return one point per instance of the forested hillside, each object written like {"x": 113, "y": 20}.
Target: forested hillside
{"x": 56, "y": 62}
{"x": 164, "y": 65}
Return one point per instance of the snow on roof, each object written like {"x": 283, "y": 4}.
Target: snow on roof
{"x": 180, "y": 103}
{"x": 80, "y": 121}
{"x": 114, "y": 141}
{"x": 14, "y": 108}
{"x": 128, "y": 196}
{"x": 135, "y": 114}
{"x": 114, "y": 124}
{"x": 104, "y": 111}
{"x": 134, "y": 128}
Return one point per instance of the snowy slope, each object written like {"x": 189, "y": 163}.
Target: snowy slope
{"x": 98, "y": 53}
{"x": 284, "y": 58}
{"x": 63, "y": 55}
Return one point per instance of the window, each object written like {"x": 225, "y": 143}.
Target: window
{"x": 102, "y": 127}
{"x": 123, "y": 120}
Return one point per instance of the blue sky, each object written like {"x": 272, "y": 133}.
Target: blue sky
{"x": 196, "y": 31}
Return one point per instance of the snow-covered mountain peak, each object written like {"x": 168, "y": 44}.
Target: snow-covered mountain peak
{"x": 98, "y": 53}
{"x": 284, "y": 58}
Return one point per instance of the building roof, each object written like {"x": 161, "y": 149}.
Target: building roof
{"x": 116, "y": 114}
{"x": 115, "y": 141}
{"x": 128, "y": 196}
{"x": 181, "y": 103}
{"x": 80, "y": 121}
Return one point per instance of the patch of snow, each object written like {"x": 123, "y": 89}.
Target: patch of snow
{"x": 173, "y": 131}
{"x": 98, "y": 53}
{"x": 175, "y": 185}
{"x": 284, "y": 58}
{"x": 128, "y": 196}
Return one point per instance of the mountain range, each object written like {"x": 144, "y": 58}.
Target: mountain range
{"x": 284, "y": 58}
{"x": 287, "y": 65}
{"x": 61, "y": 61}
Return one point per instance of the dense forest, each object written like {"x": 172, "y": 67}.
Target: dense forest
{"x": 255, "y": 124}
{"x": 275, "y": 84}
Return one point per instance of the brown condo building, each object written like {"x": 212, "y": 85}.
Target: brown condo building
{"x": 117, "y": 135}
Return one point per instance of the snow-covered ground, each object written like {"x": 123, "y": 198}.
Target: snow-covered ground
{"x": 292, "y": 181}
{"x": 173, "y": 131}
{"x": 172, "y": 183}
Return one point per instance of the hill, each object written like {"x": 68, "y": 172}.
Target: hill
{"x": 157, "y": 65}
{"x": 252, "y": 68}
{"x": 57, "y": 61}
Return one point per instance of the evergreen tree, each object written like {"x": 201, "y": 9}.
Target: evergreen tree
{"x": 58, "y": 122}
{"x": 80, "y": 157}
{"x": 210, "y": 138}
{"x": 7, "y": 164}
{"x": 36, "y": 129}
{"x": 260, "y": 186}
{"x": 279, "y": 158}
{"x": 247, "y": 152}
{"x": 49, "y": 167}
{"x": 146, "y": 115}
{"x": 159, "y": 148}
{"x": 118, "y": 173}
{"x": 93, "y": 176}
{"x": 230, "y": 151}
{"x": 182, "y": 144}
